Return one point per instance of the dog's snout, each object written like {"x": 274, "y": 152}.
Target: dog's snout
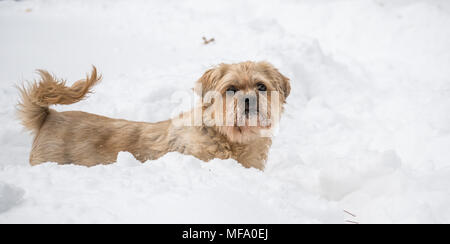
{"x": 247, "y": 106}
{"x": 250, "y": 105}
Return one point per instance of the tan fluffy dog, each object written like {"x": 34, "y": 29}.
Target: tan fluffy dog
{"x": 81, "y": 138}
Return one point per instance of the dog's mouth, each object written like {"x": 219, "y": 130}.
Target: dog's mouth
{"x": 250, "y": 128}
{"x": 245, "y": 130}
{"x": 251, "y": 120}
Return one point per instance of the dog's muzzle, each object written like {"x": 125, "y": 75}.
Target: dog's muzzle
{"x": 250, "y": 105}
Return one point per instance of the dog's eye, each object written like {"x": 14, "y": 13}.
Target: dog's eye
{"x": 261, "y": 87}
{"x": 232, "y": 89}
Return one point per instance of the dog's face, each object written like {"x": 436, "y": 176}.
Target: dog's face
{"x": 252, "y": 97}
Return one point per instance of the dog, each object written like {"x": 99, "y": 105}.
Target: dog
{"x": 81, "y": 138}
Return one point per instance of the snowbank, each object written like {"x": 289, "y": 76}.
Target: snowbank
{"x": 9, "y": 196}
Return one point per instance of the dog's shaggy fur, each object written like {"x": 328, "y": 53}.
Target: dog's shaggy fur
{"x": 81, "y": 138}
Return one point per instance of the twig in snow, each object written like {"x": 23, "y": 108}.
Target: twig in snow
{"x": 347, "y": 212}
{"x": 206, "y": 41}
{"x": 352, "y": 222}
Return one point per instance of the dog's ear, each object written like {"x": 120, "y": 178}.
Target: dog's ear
{"x": 285, "y": 85}
{"x": 280, "y": 81}
{"x": 210, "y": 79}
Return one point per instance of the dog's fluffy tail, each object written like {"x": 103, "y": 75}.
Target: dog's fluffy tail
{"x": 38, "y": 96}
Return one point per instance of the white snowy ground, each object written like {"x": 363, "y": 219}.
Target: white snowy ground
{"x": 366, "y": 128}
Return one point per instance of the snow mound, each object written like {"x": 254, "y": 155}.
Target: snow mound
{"x": 10, "y": 196}
{"x": 174, "y": 189}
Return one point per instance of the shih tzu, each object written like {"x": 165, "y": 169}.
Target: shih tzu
{"x": 241, "y": 104}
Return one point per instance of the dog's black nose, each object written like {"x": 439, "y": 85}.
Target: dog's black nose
{"x": 247, "y": 106}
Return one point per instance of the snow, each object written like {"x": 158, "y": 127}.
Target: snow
{"x": 366, "y": 127}
{"x": 9, "y": 196}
